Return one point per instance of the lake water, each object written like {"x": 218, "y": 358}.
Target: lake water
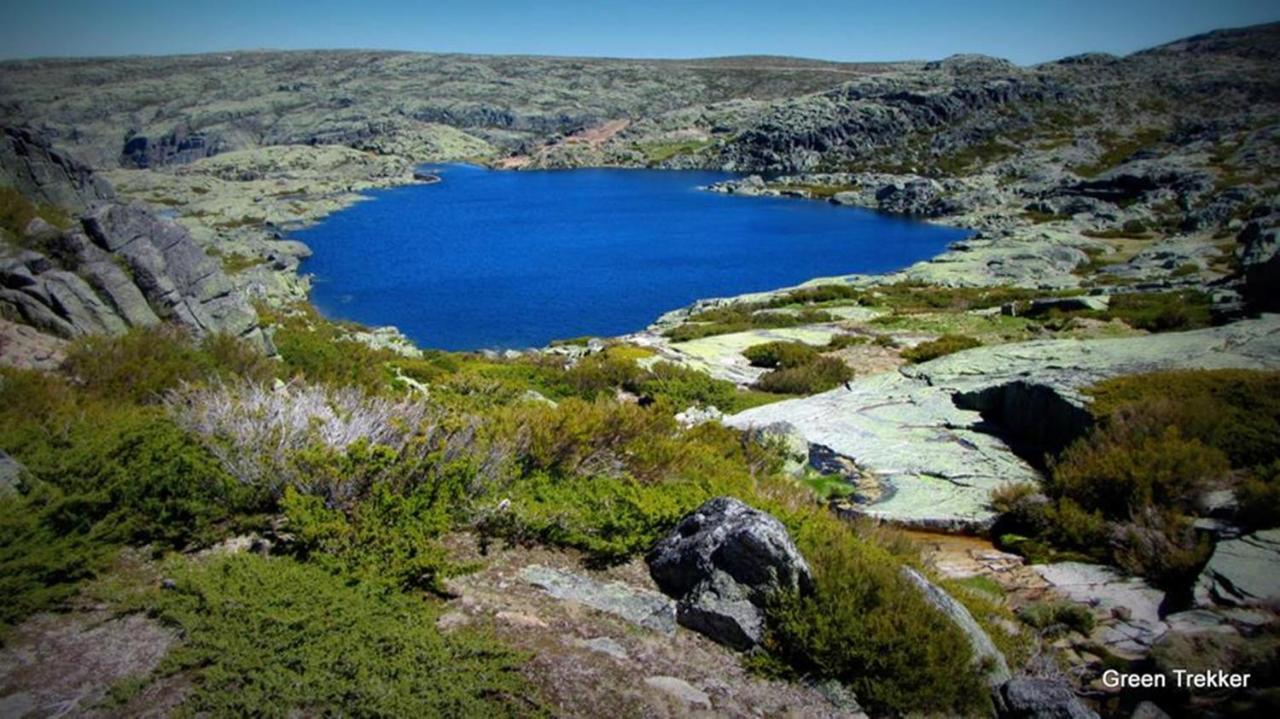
{"x": 492, "y": 259}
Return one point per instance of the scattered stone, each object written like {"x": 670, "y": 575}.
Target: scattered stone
{"x": 694, "y": 416}
{"x": 450, "y": 621}
{"x": 1106, "y": 590}
{"x": 720, "y": 563}
{"x": 1242, "y": 572}
{"x": 519, "y": 620}
{"x": 1028, "y": 698}
{"x": 681, "y": 690}
{"x": 638, "y": 606}
{"x": 603, "y": 645}
{"x": 984, "y": 650}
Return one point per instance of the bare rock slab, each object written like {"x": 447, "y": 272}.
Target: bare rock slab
{"x": 1241, "y": 572}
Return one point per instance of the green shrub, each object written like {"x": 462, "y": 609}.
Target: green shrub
{"x": 320, "y": 351}
{"x": 1236, "y": 412}
{"x": 740, "y": 318}
{"x": 139, "y": 366}
{"x": 1131, "y": 463}
{"x": 272, "y": 637}
{"x": 1164, "y": 547}
{"x": 819, "y": 375}
{"x": 1052, "y": 618}
{"x": 780, "y": 354}
{"x": 388, "y": 538}
{"x": 1162, "y": 311}
{"x": 41, "y": 565}
{"x": 681, "y": 387}
{"x": 865, "y": 626}
{"x": 944, "y": 345}
{"x": 100, "y": 478}
{"x": 840, "y": 342}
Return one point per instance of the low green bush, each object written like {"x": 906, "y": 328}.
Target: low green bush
{"x": 1161, "y": 311}
{"x": 740, "y": 318}
{"x": 840, "y": 342}
{"x": 139, "y": 366}
{"x": 1126, "y": 491}
{"x": 1163, "y": 546}
{"x": 320, "y": 351}
{"x": 1053, "y": 618}
{"x": 272, "y": 637}
{"x": 1131, "y": 463}
{"x": 865, "y": 626}
{"x": 1236, "y": 412}
{"x": 389, "y": 537}
{"x": 774, "y": 355}
{"x": 818, "y": 375}
{"x": 944, "y": 345}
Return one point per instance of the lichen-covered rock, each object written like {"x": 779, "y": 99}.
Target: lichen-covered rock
{"x": 720, "y": 563}
{"x": 29, "y": 163}
{"x": 925, "y": 433}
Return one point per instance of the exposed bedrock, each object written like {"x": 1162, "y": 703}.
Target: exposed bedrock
{"x": 116, "y": 266}
{"x": 938, "y": 437}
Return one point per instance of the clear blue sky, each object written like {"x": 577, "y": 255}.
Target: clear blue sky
{"x": 1025, "y": 31}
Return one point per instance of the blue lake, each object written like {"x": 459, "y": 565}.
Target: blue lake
{"x": 492, "y": 259}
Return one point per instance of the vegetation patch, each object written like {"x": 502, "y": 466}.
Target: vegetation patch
{"x": 1126, "y": 493}
{"x": 944, "y": 345}
{"x": 274, "y": 637}
{"x": 16, "y": 212}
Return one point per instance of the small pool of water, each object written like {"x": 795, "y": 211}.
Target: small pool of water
{"x": 494, "y": 259}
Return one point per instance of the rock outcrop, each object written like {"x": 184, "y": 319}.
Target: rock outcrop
{"x": 117, "y": 266}
{"x": 720, "y": 563}
{"x": 45, "y": 175}
{"x": 937, "y": 436}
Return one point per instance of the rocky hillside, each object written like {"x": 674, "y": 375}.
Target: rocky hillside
{"x": 151, "y": 112}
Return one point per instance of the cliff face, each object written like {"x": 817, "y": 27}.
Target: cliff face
{"x": 114, "y": 266}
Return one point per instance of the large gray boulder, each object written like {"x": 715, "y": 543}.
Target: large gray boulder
{"x": 1244, "y": 571}
{"x": 1031, "y": 698}
{"x": 721, "y": 563}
